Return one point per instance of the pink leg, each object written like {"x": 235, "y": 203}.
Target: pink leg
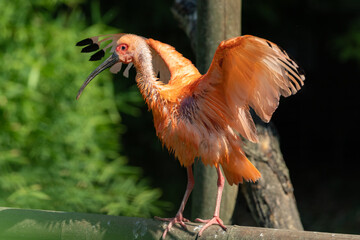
{"x": 216, "y": 218}
{"x": 179, "y": 215}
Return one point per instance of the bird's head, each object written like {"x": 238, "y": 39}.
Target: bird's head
{"x": 125, "y": 48}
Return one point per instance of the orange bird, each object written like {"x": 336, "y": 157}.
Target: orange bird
{"x": 202, "y": 115}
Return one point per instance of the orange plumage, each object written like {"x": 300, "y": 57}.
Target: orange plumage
{"x": 202, "y": 115}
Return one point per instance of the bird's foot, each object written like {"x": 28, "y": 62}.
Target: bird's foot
{"x": 177, "y": 219}
{"x": 209, "y": 222}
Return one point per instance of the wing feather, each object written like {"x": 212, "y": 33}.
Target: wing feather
{"x": 94, "y": 43}
{"x": 248, "y": 72}
{"x": 173, "y": 67}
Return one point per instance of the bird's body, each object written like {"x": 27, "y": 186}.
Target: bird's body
{"x": 202, "y": 115}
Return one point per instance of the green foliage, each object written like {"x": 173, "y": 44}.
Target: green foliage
{"x": 349, "y": 42}
{"x": 55, "y": 152}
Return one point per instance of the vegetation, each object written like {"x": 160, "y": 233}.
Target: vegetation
{"x": 56, "y": 152}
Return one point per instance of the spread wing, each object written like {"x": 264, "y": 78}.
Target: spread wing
{"x": 171, "y": 65}
{"x": 248, "y": 71}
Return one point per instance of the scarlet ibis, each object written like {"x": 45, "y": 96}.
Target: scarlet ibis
{"x": 202, "y": 115}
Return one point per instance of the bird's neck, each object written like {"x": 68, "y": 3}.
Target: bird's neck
{"x": 145, "y": 78}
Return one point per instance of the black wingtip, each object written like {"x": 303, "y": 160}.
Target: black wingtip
{"x": 90, "y": 48}
{"x": 301, "y": 71}
{"x": 97, "y": 56}
{"x": 269, "y": 44}
{"x": 85, "y": 42}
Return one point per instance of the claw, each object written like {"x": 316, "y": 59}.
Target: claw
{"x": 215, "y": 220}
{"x": 177, "y": 219}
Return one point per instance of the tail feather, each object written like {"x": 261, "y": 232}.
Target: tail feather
{"x": 239, "y": 168}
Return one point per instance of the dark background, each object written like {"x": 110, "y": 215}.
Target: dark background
{"x": 318, "y": 126}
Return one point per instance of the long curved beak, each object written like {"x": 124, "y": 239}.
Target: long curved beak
{"x": 114, "y": 58}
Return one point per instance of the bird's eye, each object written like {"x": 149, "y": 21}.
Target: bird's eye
{"x": 122, "y": 47}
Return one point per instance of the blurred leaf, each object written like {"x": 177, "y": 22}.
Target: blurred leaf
{"x": 56, "y": 152}
{"x": 348, "y": 44}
